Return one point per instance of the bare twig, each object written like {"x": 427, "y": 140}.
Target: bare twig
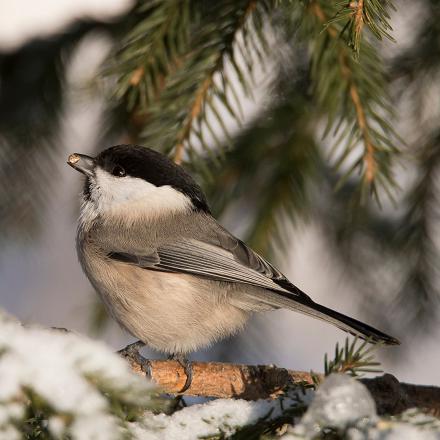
{"x": 215, "y": 379}
{"x": 250, "y": 382}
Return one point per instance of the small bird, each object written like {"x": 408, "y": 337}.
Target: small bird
{"x": 166, "y": 270}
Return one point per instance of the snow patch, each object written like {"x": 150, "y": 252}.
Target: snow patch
{"x": 74, "y": 376}
{"x": 345, "y": 406}
{"x": 339, "y": 401}
{"x": 23, "y": 20}
{"x": 215, "y": 418}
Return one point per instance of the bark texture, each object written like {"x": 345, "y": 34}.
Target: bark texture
{"x": 251, "y": 382}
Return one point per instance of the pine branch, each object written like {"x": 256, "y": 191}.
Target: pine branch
{"x": 177, "y": 91}
{"x": 270, "y": 167}
{"x": 213, "y": 379}
{"x": 179, "y": 113}
{"x": 358, "y": 14}
{"x": 201, "y": 94}
{"x": 406, "y": 243}
{"x": 150, "y": 52}
{"x": 222, "y": 380}
{"x": 352, "y": 359}
{"x": 416, "y": 241}
{"x": 360, "y": 100}
{"x": 355, "y": 14}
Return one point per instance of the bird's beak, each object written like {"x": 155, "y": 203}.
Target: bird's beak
{"x": 82, "y": 163}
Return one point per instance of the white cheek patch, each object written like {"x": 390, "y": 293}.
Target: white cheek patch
{"x": 136, "y": 197}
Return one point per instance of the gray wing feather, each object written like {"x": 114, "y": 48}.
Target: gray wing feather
{"x": 214, "y": 253}
{"x": 238, "y": 264}
{"x": 208, "y": 260}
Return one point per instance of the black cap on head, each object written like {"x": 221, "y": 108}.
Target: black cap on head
{"x": 152, "y": 166}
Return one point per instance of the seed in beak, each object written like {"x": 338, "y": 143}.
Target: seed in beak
{"x": 73, "y": 158}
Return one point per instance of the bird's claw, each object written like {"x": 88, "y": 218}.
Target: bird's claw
{"x": 131, "y": 353}
{"x": 187, "y": 368}
{"x": 131, "y": 350}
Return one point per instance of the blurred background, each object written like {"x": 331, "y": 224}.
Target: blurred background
{"x": 315, "y": 135}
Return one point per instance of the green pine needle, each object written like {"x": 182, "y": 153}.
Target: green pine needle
{"x": 355, "y": 358}
{"x": 353, "y": 92}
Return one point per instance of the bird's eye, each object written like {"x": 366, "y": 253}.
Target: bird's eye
{"x": 118, "y": 171}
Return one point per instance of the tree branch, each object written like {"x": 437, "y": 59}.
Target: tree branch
{"x": 358, "y": 21}
{"x": 204, "y": 88}
{"x": 369, "y": 158}
{"x": 251, "y": 382}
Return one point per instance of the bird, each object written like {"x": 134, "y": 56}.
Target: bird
{"x": 165, "y": 269}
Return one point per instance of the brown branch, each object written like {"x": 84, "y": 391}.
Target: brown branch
{"x": 203, "y": 90}
{"x": 195, "y": 110}
{"x": 358, "y": 20}
{"x": 136, "y": 76}
{"x": 369, "y": 159}
{"x": 369, "y": 149}
{"x": 250, "y": 382}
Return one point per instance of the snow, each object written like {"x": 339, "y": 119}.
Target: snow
{"x": 401, "y": 431}
{"x": 339, "y": 401}
{"x": 22, "y": 20}
{"x": 345, "y": 405}
{"x": 222, "y": 416}
{"x": 73, "y": 375}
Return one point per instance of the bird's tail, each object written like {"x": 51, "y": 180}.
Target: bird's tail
{"x": 304, "y": 304}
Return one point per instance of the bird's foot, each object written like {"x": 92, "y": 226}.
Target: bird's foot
{"x": 131, "y": 353}
{"x": 187, "y": 367}
{"x": 131, "y": 349}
